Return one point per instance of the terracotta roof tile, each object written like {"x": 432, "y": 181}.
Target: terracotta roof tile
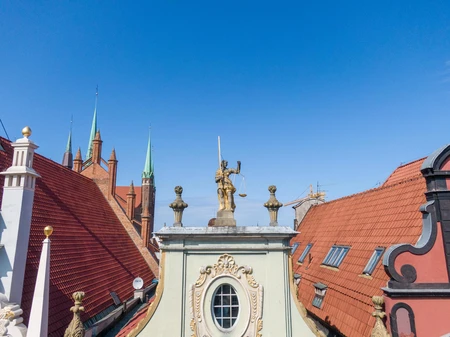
{"x": 90, "y": 252}
{"x": 139, "y": 316}
{"x": 379, "y": 217}
{"x": 121, "y": 193}
{"x": 405, "y": 171}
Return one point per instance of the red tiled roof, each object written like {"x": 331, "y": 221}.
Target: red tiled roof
{"x": 139, "y": 316}
{"x": 90, "y": 252}
{"x": 406, "y": 171}
{"x": 379, "y": 217}
{"x": 121, "y": 192}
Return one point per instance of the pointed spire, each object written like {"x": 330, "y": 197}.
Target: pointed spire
{"x": 113, "y": 155}
{"x": 93, "y": 128}
{"x": 131, "y": 191}
{"x": 97, "y": 135}
{"x": 68, "y": 157}
{"x": 148, "y": 167}
{"x": 78, "y": 155}
{"x": 78, "y": 162}
{"x": 69, "y": 140}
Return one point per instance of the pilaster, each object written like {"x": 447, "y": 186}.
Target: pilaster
{"x": 16, "y": 211}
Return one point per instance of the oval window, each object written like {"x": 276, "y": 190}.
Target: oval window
{"x": 225, "y": 306}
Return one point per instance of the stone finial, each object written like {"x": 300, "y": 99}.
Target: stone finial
{"x": 76, "y": 328}
{"x": 273, "y": 205}
{"x": 379, "y": 329}
{"x": 178, "y": 206}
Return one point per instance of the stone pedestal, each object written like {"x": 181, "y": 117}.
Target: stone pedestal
{"x": 225, "y": 218}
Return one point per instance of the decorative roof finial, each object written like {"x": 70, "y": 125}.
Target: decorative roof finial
{"x": 26, "y": 131}
{"x": 379, "y": 329}
{"x": 273, "y": 205}
{"x": 76, "y": 327}
{"x": 178, "y": 206}
{"x": 48, "y": 230}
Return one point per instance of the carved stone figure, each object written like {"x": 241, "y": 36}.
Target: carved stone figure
{"x": 76, "y": 328}
{"x": 225, "y": 187}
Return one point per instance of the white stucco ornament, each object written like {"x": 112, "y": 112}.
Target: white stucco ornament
{"x": 249, "y": 292}
{"x": 10, "y": 319}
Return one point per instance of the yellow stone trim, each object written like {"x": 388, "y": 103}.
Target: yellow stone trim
{"x": 366, "y": 276}
{"x": 328, "y": 267}
{"x": 300, "y": 307}
{"x": 152, "y": 308}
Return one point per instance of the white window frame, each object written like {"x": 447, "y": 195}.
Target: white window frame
{"x": 336, "y": 256}
{"x": 305, "y": 253}
{"x": 373, "y": 261}
{"x": 294, "y": 247}
{"x": 233, "y": 319}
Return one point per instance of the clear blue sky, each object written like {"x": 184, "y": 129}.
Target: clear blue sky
{"x": 300, "y": 92}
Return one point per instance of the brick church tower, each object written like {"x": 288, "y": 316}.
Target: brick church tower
{"x": 148, "y": 196}
{"x": 134, "y": 206}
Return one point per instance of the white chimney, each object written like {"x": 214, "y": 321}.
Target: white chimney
{"x": 15, "y": 219}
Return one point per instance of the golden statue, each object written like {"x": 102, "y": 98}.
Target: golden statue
{"x": 225, "y": 187}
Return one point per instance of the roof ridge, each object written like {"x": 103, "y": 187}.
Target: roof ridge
{"x": 411, "y": 162}
{"x": 49, "y": 160}
{"x": 401, "y": 166}
{"x": 418, "y": 177}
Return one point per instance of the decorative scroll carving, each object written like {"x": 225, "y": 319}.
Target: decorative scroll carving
{"x": 76, "y": 327}
{"x": 259, "y": 328}
{"x": 226, "y": 266}
{"x": 408, "y": 273}
{"x": 379, "y": 330}
{"x": 6, "y": 314}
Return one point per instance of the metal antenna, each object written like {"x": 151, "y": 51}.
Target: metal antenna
{"x": 4, "y": 129}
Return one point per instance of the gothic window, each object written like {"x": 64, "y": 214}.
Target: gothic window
{"x": 225, "y": 306}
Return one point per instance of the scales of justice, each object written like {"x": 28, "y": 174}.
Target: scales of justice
{"x": 225, "y": 192}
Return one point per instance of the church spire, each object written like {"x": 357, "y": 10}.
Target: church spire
{"x": 148, "y": 167}
{"x": 68, "y": 156}
{"x": 93, "y": 127}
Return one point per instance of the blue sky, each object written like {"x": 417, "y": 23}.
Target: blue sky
{"x": 300, "y": 92}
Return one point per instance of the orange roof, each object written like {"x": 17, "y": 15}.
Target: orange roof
{"x": 133, "y": 322}
{"x": 379, "y": 217}
{"x": 91, "y": 251}
{"x": 121, "y": 193}
{"x": 406, "y": 171}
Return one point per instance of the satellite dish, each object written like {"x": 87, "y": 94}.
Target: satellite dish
{"x": 138, "y": 283}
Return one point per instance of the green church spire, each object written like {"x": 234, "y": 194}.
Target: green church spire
{"x": 93, "y": 128}
{"x": 148, "y": 167}
{"x": 69, "y": 142}
{"x": 68, "y": 157}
